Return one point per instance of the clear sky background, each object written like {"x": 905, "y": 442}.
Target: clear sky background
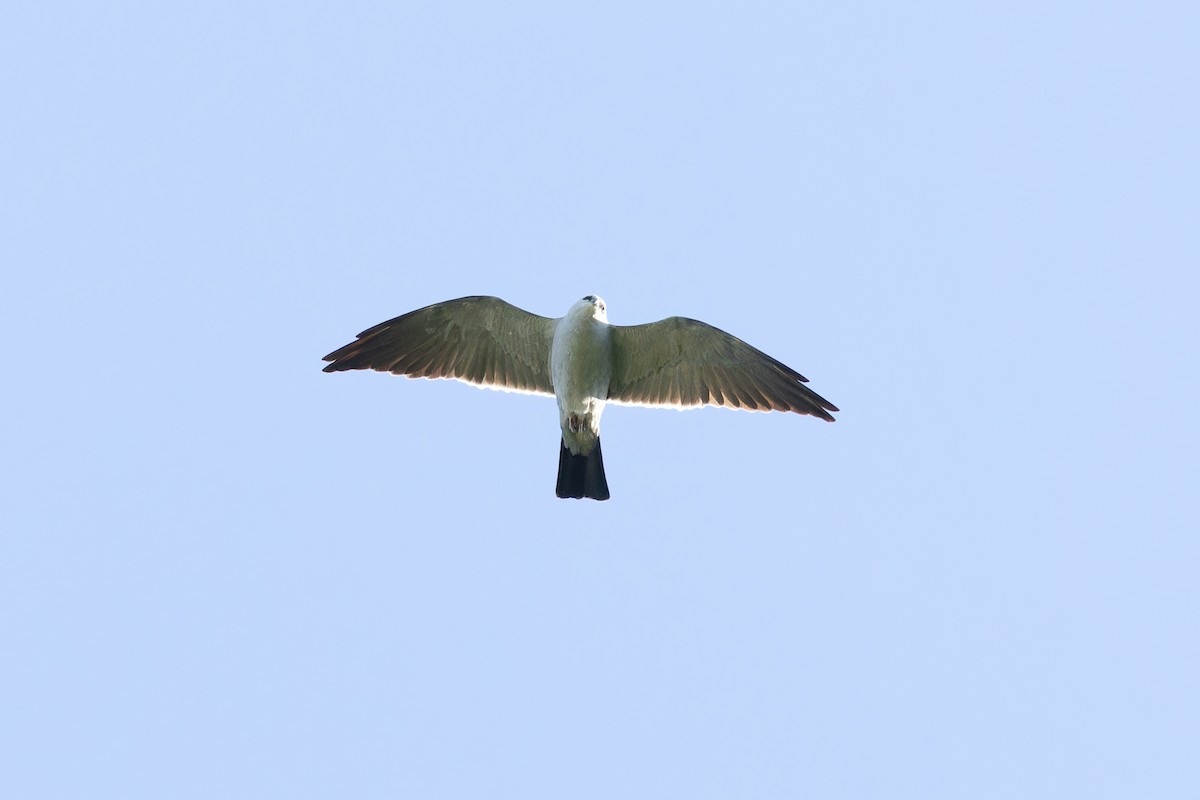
{"x": 225, "y": 574}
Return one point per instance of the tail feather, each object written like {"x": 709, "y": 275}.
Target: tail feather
{"x": 581, "y": 476}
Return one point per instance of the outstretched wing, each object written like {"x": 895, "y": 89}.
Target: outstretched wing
{"x": 683, "y": 363}
{"x": 480, "y": 340}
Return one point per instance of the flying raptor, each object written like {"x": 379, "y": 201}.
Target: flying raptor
{"x": 584, "y": 363}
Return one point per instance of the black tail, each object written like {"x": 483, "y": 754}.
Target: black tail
{"x": 581, "y": 476}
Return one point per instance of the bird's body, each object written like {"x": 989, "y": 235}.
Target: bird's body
{"x": 585, "y": 363}
{"x": 581, "y": 369}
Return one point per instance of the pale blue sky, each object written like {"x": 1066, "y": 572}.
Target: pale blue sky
{"x": 225, "y": 574}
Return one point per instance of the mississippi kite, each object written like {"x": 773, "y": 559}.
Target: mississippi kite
{"x": 584, "y": 363}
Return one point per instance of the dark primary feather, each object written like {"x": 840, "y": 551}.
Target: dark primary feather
{"x": 685, "y": 363}
{"x": 480, "y": 340}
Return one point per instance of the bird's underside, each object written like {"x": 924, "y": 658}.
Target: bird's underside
{"x": 674, "y": 363}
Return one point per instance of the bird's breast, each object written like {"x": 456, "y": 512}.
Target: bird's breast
{"x": 581, "y": 360}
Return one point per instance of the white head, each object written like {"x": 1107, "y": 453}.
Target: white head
{"x": 592, "y": 306}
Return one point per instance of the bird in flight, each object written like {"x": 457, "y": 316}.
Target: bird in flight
{"x": 584, "y": 363}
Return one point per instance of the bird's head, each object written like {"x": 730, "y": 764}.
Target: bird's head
{"x": 592, "y": 305}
